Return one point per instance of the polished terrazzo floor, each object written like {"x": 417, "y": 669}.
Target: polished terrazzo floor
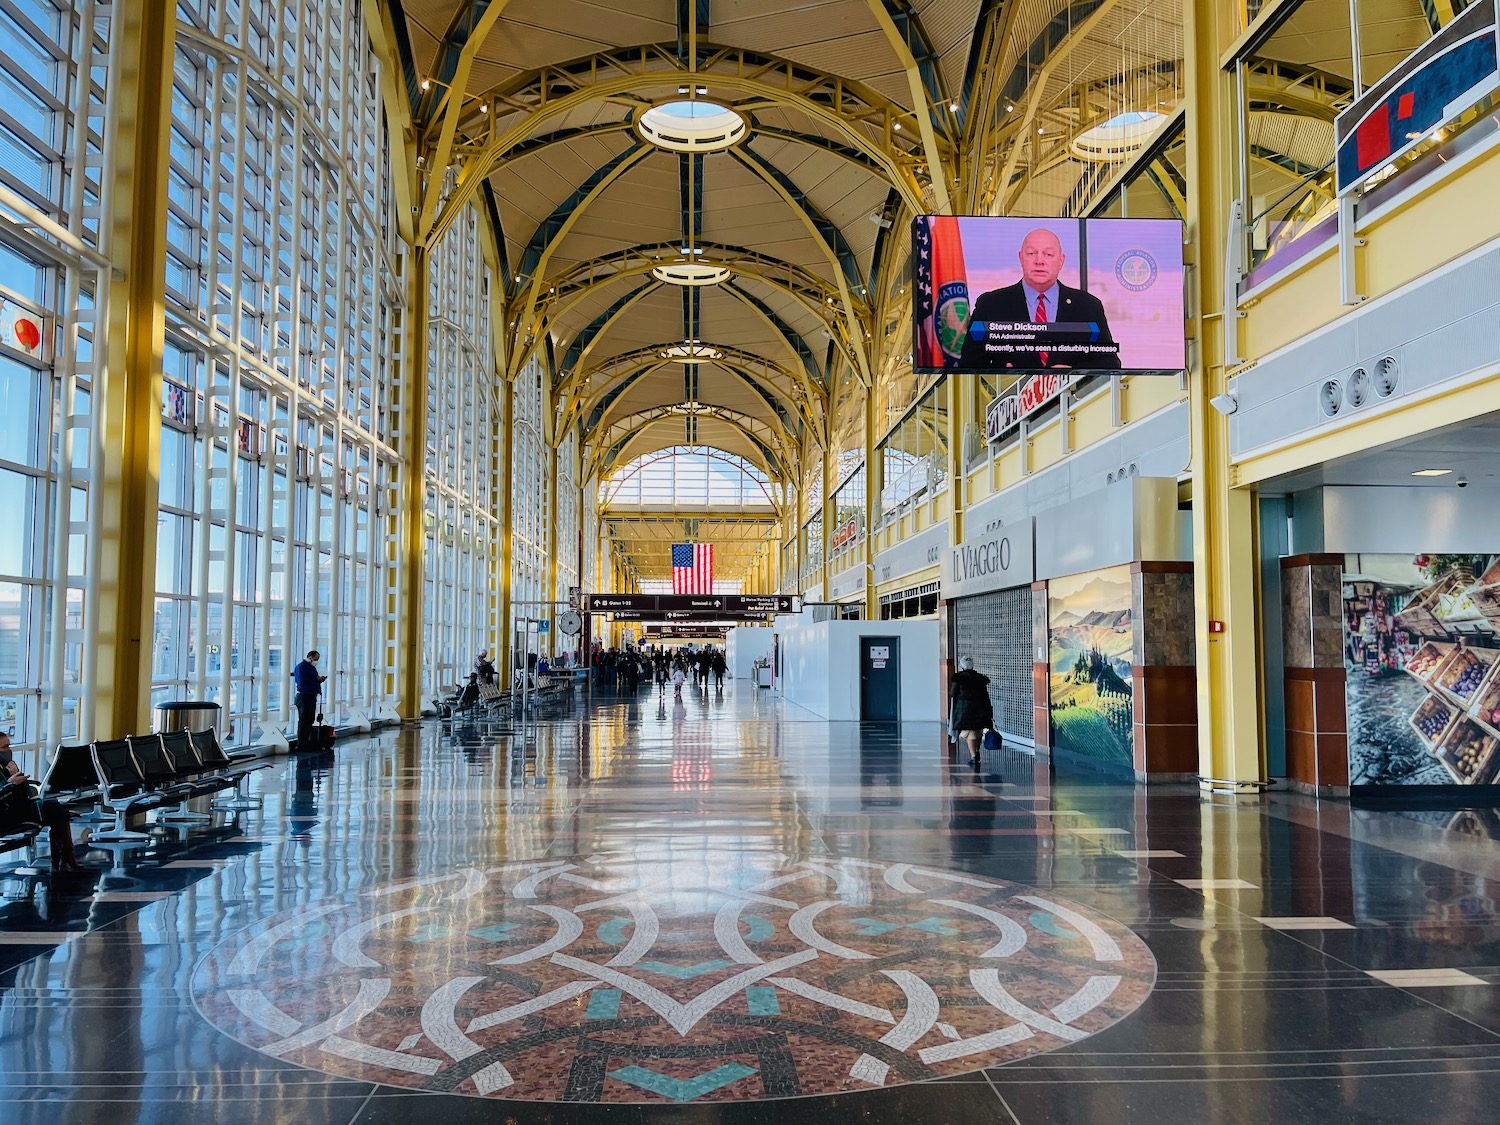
{"x": 727, "y": 910}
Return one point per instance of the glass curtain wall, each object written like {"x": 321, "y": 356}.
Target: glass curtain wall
{"x": 914, "y": 455}
{"x": 568, "y": 515}
{"x": 53, "y": 62}
{"x": 278, "y": 472}
{"x": 530, "y": 486}
{"x": 591, "y": 577}
{"x": 849, "y": 518}
{"x": 464, "y": 475}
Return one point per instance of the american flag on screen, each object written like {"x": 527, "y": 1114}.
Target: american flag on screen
{"x": 692, "y": 568}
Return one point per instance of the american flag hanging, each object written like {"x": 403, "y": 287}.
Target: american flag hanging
{"x": 692, "y": 568}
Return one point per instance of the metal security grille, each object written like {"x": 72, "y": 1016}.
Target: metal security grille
{"x": 995, "y": 629}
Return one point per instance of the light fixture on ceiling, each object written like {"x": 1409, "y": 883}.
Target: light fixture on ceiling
{"x": 692, "y": 273}
{"x": 898, "y": 126}
{"x": 484, "y": 108}
{"x": 691, "y": 351}
{"x": 692, "y": 251}
{"x": 1226, "y": 404}
{"x": 1432, "y": 473}
{"x": 692, "y": 126}
{"x": 953, "y": 106}
{"x": 1009, "y": 108}
{"x": 1119, "y": 138}
{"x": 427, "y": 83}
{"x": 880, "y": 220}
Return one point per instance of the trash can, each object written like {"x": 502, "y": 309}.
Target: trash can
{"x": 186, "y": 716}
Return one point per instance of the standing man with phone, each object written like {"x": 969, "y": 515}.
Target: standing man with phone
{"x": 309, "y": 685}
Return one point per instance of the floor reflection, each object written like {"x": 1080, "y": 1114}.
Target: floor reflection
{"x": 1317, "y": 961}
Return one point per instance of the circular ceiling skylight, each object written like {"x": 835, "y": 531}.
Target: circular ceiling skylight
{"x": 692, "y": 126}
{"x": 1119, "y": 137}
{"x": 691, "y": 351}
{"x": 692, "y": 273}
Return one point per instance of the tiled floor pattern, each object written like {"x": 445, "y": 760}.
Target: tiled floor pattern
{"x": 1315, "y": 963}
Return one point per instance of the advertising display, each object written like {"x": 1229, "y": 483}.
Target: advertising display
{"x": 1422, "y": 663}
{"x": 1090, "y": 641}
{"x": 1026, "y": 294}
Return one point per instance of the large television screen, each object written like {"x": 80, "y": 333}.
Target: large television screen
{"x": 1025, "y": 295}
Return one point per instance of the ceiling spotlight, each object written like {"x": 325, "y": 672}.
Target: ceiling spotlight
{"x": 1226, "y": 404}
{"x": 426, "y": 83}
{"x": 484, "y": 109}
{"x": 1009, "y": 108}
{"x": 898, "y": 126}
{"x": 1432, "y": 473}
{"x": 953, "y": 106}
{"x": 1041, "y": 128}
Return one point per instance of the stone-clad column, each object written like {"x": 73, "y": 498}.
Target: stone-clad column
{"x": 1164, "y": 672}
{"x": 1312, "y": 623}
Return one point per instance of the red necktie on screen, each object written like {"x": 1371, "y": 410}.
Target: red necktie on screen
{"x": 1041, "y": 318}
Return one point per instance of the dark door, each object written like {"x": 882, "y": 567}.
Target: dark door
{"x": 879, "y": 679}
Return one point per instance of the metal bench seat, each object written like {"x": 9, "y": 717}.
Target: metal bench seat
{"x": 123, "y": 789}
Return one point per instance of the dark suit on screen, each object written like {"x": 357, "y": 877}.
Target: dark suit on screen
{"x": 1009, "y": 305}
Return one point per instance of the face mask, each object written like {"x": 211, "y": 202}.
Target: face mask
{"x": 317, "y": 660}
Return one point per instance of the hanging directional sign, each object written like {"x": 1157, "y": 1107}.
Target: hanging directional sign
{"x": 730, "y": 605}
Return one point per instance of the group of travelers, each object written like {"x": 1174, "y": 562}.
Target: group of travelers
{"x": 625, "y": 668}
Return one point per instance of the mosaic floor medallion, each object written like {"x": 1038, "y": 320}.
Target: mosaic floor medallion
{"x": 604, "y": 980}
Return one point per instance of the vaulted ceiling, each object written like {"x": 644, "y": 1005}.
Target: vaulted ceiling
{"x": 860, "y": 114}
{"x": 851, "y": 106}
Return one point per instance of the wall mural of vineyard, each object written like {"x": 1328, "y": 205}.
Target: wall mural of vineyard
{"x": 1091, "y": 634}
{"x": 1422, "y": 660}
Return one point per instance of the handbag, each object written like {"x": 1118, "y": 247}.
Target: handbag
{"x": 991, "y": 740}
{"x": 18, "y": 807}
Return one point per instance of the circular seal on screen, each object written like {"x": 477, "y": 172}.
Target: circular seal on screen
{"x": 1136, "y": 270}
{"x": 740, "y": 978}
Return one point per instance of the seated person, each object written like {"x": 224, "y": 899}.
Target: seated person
{"x": 28, "y": 810}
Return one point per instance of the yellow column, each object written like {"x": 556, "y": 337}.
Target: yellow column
{"x": 128, "y": 447}
{"x": 830, "y": 474}
{"x": 412, "y": 409}
{"x": 551, "y": 590}
{"x": 874, "y": 481}
{"x": 1224, "y": 551}
{"x": 960, "y": 392}
{"x": 507, "y": 514}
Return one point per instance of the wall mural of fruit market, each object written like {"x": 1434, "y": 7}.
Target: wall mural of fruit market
{"x": 1091, "y": 636}
{"x": 1423, "y": 660}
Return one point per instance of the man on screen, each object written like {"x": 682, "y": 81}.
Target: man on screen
{"x": 1039, "y": 298}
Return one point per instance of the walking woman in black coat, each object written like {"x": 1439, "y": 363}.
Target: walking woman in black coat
{"x": 970, "y": 712}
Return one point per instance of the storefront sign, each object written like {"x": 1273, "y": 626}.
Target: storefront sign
{"x": 996, "y": 560}
{"x": 845, "y": 533}
{"x": 1022, "y": 401}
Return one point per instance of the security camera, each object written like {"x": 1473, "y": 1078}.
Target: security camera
{"x": 1462, "y": 482}
{"x": 1226, "y": 404}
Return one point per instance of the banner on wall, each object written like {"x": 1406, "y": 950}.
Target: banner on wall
{"x": 1090, "y": 642}
{"x": 1422, "y": 658}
